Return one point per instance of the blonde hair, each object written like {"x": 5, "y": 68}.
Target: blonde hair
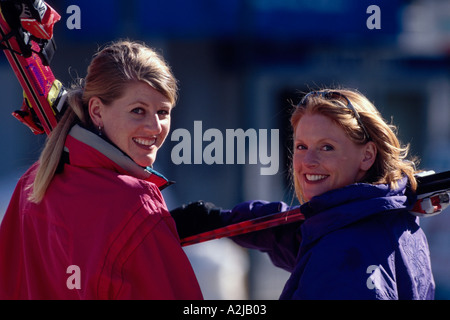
{"x": 108, "y": 74}
{"x": 390, "y": 164}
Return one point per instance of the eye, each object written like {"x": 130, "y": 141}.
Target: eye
{"x": 138, "y": 110}
{"x": 164, "y": 112}
{"x": 300, "y": 146}
{"x": 327, "y": 147}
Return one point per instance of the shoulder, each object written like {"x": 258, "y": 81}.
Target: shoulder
{"x": 134, "y": 192}
{"x": 28, "y": 177}
{"x": 117, "y": 184}
{"x": 364, "y": 237}
{"x": 370, "y": 241}
{"x": 382, "y": 230}
{"x": 341, "y": 264}
{"x": 112, "y": 196}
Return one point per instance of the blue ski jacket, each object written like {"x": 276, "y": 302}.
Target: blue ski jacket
{"x": 357, "y": 242}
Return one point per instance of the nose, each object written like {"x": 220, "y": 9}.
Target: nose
{"x": 310, "y": 159}
{"x": 153, "y": 124}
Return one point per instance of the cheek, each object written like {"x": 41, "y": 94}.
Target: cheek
{"x": 296, "y": 168}
{"x": 296, "y": 162}
{"x": 165, "y": 129}
{"x": 346, "y": 172}
{"x": 118, "y": 132}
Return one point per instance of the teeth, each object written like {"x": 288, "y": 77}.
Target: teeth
{"x": 145, "y": 142}
{"x": 315, "y": 177}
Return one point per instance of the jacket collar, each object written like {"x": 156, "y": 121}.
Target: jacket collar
{"x": 87, "y": 149}
{"x": 338, "y": 208}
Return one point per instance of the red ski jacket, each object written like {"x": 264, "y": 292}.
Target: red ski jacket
{"x": 102, "y": 231}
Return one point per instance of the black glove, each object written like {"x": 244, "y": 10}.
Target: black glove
{"x": 196, "y": 217}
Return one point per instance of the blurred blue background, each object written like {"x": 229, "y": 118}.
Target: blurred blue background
{"x": 239, "y": 63}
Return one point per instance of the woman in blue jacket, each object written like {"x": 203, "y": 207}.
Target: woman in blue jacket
{"x": 358, "y": 240}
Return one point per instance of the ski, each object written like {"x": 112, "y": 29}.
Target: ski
{"x": 26, "y": 30}
{"x": 247, "y": 226}
{"x": 433, "y": 196}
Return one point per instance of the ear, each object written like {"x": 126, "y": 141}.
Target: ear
{"x": 95, "y": 111}
{"x": 369, "y": 155}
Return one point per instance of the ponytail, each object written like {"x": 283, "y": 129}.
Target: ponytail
{"x": 54, "y": 147}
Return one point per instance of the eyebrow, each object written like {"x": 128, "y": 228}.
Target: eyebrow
{"x": 319, "y": 139}
{"x": 138, "y": 101}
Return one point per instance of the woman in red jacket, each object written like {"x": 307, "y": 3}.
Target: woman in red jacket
{"x": 88, "y": 221}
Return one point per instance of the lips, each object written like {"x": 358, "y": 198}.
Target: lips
{"x": 145, "y": 143}
{"x": 315, "y": 177}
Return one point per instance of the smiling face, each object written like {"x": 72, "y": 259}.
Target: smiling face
{"x": 137, "y": 123}
{"x": 325, "y": 158}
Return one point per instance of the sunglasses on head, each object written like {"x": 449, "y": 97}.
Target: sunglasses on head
{"x": 334, "y": 95}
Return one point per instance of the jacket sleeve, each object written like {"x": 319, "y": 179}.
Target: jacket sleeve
{"x": 152, "y": 265}
{"x": 280, "y": 243}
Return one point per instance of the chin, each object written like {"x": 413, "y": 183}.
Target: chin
{"x": 145, "y": 163}
{"x": 309, "y": 196}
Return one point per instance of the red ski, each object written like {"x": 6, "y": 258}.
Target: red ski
{"x": 26, "y": 29}
{"x": 433, "y": 196}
